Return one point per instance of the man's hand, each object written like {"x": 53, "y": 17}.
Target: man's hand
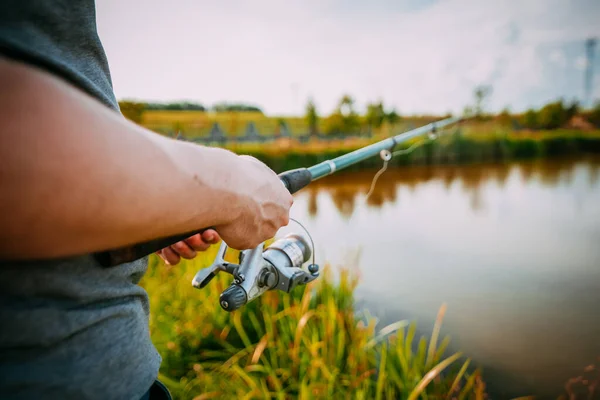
{"x": 262, "y": 207}
{"x": 189, "y": 247}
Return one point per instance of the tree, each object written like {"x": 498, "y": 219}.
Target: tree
{"x": 530, "y": 119}
{"x": 594, "y": 114}
{"x": 481, "y": 94}
{"x": 312, "y": 117}
{"x": 344, "y": 119}
{"x": 392, "y": 117}
{"x": 346, "y": 106}
{"x": 552, "y": 115}
{"x": 573, "y": 109}
{"x": 375, "y": 115}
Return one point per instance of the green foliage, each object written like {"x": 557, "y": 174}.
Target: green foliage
{"x": 530, "y": 119}
{"x": 344, "y": 119}
{"x": 309, "y": 344}
{"x": 375, "y": 114}
{"x": 312, "y": 118}
{"x": 392, "y": 117}
{"x": 594, "y": 114}
{"x": 551, "y": 116}
{"x": 239, "y": 107}
{"x": 176, "y": 106}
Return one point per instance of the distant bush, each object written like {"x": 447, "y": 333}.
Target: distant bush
{"x": 226, "y": 107}
{"x": 552, "y": 116}
{"x": 180, "y": 106}
{"x": 594, "y": 114}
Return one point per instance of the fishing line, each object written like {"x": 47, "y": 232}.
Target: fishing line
{"x": 386, "y": 156}
{"x": 312, "y": 244}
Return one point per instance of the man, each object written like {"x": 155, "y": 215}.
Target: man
{"x": 76, "y": 178}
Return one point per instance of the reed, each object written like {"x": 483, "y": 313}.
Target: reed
{"x": 311, "y": 344}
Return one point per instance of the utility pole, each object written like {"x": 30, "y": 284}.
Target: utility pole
{"x": 590, "y": 45}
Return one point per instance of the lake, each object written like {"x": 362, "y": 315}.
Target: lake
{"x": 512, "y": 249}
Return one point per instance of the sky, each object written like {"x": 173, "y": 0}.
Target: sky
{"x": 419, "y": 57}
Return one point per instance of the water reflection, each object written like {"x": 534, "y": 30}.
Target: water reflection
{"x": 346, "y": 187}
{"x": 511, "y": 248}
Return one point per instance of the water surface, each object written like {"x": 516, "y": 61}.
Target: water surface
{"x": 512, "y": 249}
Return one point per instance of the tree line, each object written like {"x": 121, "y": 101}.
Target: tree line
{"x": 553, "y": 115}
{"x": 133, "y": 110}
{"x": 345, "y": 118}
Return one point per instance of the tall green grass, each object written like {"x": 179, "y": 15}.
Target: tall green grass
{"x": 310, "y": 344}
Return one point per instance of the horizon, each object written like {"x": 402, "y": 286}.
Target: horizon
{"x": 421, "y": 58}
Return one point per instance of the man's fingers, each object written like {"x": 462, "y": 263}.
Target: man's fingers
{"x": 170, "y": 256}
{"x": 201, "y": 242}
{"x": 196, "y": 243}
{"x": 183, "y": 250}
{"x": 189, "y": 247}
{"x": 210, "y": 236}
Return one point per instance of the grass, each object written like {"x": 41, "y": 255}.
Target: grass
{"x": 452, "y": 148}
{"x": 310, "y": 344}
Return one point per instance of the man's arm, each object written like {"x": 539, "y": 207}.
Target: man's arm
{"x": 76, "y": 177}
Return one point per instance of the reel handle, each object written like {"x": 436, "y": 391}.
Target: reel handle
{"x": 293, "y": 180}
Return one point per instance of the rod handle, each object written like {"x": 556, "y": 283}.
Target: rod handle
{"x": 296, "y": 179}
{"x": 111, "y": 258}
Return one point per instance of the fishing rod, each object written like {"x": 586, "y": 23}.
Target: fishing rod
{"x": 278, "y": 266}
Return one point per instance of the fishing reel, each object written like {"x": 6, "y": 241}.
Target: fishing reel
{"x": 278, "y": 266}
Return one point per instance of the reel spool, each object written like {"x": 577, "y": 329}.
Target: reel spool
{"x": 277, "y": 267}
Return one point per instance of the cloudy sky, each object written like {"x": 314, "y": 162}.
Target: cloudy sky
{"x": 418, "y": 56}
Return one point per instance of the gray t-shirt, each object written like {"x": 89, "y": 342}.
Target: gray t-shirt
{"x": 70, "y": 329}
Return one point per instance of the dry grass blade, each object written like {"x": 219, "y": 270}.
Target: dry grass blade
{"x": 260, "y": 347}
{"x": 386, "y": 331}
{"x": 291, "y": 346}
{"x": 298, "y": 337}
{"x": 435, "y": 371}
{"x": 435, "y": 334}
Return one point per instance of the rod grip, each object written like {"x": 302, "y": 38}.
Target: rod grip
{"x": 111, "y": 258}
{"x": 296, "y": 179}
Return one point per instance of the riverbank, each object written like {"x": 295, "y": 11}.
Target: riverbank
{"x": 453, "y": 148}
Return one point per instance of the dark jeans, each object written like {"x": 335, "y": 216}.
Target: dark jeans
{"x": 157, "y": 391}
